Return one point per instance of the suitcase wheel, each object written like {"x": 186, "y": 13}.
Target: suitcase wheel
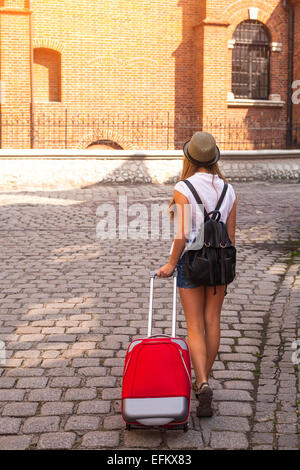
{"x": 128, "y": 427}
{"x": 186, "y": 427}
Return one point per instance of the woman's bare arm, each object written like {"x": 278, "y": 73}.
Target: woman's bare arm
{"x": 180, "y": 239}
{"x": 231, "y": 222}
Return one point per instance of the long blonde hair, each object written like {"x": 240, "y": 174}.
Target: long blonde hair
{"x": 189, "y": 169}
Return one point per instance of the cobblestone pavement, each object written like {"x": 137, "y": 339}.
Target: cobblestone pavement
{"x": 71, "y": 303}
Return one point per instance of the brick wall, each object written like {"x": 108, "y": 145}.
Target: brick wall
{"x": 15, "y": 70}
{"x": 135, "y": 58}
{"x": 221, "y": 20}
{"x": 296, "y": 106}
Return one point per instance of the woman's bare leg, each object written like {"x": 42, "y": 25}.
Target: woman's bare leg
{"x": 192, "y": 301}
{"x": 212, "y": 313}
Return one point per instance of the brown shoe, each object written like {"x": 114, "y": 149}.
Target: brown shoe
{"x": 204, "y": 394}
{"x": 197, "y": 388}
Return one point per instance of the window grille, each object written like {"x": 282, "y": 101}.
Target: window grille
{"x": 251, "y": 61}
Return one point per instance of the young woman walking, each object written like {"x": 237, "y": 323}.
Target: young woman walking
{"x": 202, "y": 308}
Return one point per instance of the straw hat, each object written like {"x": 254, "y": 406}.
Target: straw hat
{"x": 202, "y": 149}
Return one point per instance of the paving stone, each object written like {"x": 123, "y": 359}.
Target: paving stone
{"x": 34, "y": 372}
{"x": 65, "y": 382}
{"x": 32, "y": 382}
{"x": 80, "y": 394}
{"x": 111, "y": 394}
{"x": 15, "y": 442}
{"x": 60, "y": 372}
{"x": 262, "y": 438}
{"x": 57, "y": 440}
{"x": 228, "y": 440}
{"x": 84, "y": 362}
{"x": 101, "y": 439}
{"x": 54, "y": 363}
{"x": 31, "y": 338}
{"x": 235, "y": 409}
{"x": 84, "y": 345}
{"x": 190, "y": 440}
{"x": 93, "y": 407}
{"x": 264, "y": 427}
{"x": 232, "y": 395}
{"x": 113, "y": 422}
{"x": 82, "y": 423}
{"x": 20, "y": 409}
{"x": 286, "y": 417}
{"x": 9, "y": 425}
{"x": 7, "y": 382}
{"x": 101, "y": 382}
{"x": 47, "y": 394}
{"x": 240, "y": 366}
{"x": 225, "y": 423}
{"x": 140, "y": 438}
{"x": 238, "y": 385}
{"x": 238, "y": 357}
{"x": 288, "y": 441}
{"x": 63, "y": 338}
{"x": 286, "y": 428}
{"x": 93, "y": 371}
{"x": 231, "y": 374}
{"x": 40, "y": 424}
{"x": 57, "y": 408}
{"x": 11, "y": 395}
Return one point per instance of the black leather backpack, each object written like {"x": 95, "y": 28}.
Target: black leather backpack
{"x": 214, "y": 263}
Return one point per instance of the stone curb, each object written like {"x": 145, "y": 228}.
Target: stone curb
{"x": 36, "y": 173}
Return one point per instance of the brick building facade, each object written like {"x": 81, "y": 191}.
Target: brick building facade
{"x": 146, "y": 74}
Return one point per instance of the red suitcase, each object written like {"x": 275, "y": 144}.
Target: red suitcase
{"x": 156, "y": 387}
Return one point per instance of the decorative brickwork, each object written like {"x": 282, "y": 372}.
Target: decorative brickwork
{"x": 137, "y": 58}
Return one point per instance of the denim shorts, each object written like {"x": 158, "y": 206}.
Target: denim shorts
{"x": 182, "y": 281}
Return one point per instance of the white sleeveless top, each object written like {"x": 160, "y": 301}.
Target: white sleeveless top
{"x": 209, "y": 194}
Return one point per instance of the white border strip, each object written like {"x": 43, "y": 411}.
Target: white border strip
{"x": 138, "y": 154}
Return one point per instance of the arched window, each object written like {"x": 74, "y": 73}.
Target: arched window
{"x": 104, "y": 145}
{"x": 46, "y": 77}
{"x": 251, "y": 61}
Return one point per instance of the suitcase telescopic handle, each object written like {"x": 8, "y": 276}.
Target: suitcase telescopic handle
{"x": 152, "y": 276}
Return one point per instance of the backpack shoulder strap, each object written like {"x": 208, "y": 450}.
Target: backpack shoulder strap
{"x": 195, "y": 194}
{"x": 222, "y": 196}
